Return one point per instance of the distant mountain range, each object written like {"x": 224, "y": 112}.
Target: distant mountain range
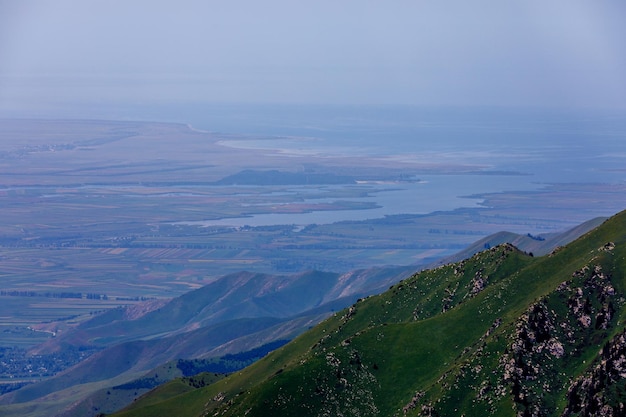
{"x": 538, "y": 245}
{"x": 501, "y": 333}
{"x": 241, "y": 312}
{"x": 235, "y": 313}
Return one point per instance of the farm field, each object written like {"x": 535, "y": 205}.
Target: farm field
{"x": 100, "y": 214}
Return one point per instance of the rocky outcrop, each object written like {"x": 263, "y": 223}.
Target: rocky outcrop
{"x": 600, "y": 392}
{"x": 551, "y": 336}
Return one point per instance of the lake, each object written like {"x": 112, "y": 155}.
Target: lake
{"x": 519, "y": 149}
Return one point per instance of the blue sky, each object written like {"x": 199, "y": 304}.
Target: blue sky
{"x": 557, "y": 53}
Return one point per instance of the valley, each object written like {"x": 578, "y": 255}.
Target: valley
{"x": 500, "y": 333}
{"x": 105, "y": 222}
{"x": 294, "y": 209}
{"x": 130, "y": 347}
{"x": 133, "y": 210}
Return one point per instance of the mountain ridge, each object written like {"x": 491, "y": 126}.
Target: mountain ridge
{"x": 141, "y": 338}
{"x": 501, "y": 333}
{"x": 538, "y": 245}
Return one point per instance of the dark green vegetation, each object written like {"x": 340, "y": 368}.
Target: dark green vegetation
{"x": 501, "y": 333}
{"x": 192, "y": 374}
{"x": 228, "y": 363}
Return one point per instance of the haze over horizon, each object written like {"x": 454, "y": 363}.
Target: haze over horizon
{"x": 63, "y": 54}
{"x": 263, "y": 165}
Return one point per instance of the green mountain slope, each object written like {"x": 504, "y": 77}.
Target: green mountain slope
{"x": 501, "y": 333}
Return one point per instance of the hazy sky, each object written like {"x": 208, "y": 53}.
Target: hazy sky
{"x": 458, "y": 52}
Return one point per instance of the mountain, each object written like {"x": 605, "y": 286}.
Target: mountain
{"x": 234, "y": 296}
{"x": 234, "y": 313}
{"x": 501, "y": 333}
{"x": 115, "y": 397}
{"x": 538, "y": 245}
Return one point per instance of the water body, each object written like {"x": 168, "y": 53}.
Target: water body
{"x": 543, "y": 146}
{"x": 554, "y": 145}
{"x": 551, "y": 145}
{"x": 432, "y": 193}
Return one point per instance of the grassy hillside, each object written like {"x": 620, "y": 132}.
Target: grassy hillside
{"x": 501, "y": 333}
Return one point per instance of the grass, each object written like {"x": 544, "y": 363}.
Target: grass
{"x": 378, "y": 355}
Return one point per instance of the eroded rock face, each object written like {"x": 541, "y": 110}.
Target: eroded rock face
{"x": 550, "y": 336}
{"x": 534, "y": 359}
{"x": 600, "y": 392}
{"x": 528, "y": 368}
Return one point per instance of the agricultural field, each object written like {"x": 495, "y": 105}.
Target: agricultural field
{"x": 96, "y": 215}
